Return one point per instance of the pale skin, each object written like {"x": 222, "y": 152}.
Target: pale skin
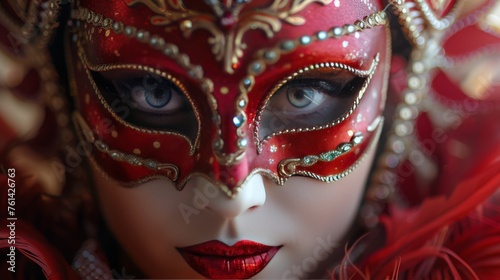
{"x": 308, "y": 217}
{"x": 148, "y": 222}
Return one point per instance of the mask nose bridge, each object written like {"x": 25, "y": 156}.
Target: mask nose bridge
{"x": 231, "y": 178}
{"x": 230, "y": 145}
{"x": 232, "y": 136}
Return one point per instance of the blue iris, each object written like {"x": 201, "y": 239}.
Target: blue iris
{"x": 301, "y": 97}
{"x": 159, "y": 97}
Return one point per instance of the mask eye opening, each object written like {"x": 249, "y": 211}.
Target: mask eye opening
{"x": 149, "y": 102}
{"x": 360, "y": 79}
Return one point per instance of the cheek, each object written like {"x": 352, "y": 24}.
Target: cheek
{"x": 327, "y": 203}
{"x": 315, "y": 205}
{"x": 320, "y": 213}
{"x": 146, "y": 222}
{"x": 303, "y": 216}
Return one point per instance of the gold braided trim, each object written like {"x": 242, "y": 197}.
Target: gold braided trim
{"x": 131, "y": 159}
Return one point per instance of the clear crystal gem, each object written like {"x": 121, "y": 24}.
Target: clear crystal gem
{"x": 239, "y": 120}
{"x": 305, "y": 40}
{"x": 242, "y": 142}
{"x": 322, "y": 35}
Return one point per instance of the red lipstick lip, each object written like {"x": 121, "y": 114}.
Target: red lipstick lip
{"x": 216, "y": 260}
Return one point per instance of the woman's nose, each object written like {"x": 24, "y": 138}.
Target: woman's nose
{"x": 251, "y": 194}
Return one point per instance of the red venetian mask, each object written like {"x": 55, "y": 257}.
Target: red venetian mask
{"x": 228, "y": 89}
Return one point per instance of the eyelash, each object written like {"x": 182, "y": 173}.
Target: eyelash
{"x": 322, "y": 85}
{"x": 329, "y": 75}
{"x": 118, "y": 94}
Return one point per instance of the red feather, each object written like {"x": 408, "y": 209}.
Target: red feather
{"x": 455, "y": 237}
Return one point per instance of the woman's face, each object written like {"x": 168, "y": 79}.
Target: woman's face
{"x": 230, "y": 139}
{"x": 303, "y": 222}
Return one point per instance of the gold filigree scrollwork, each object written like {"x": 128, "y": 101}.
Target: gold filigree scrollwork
{"x": 168, "y": 11}
{"x": 228, "y": 29}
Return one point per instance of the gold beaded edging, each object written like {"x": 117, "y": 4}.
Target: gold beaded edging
{"x": 104, "y": 103}
{"x": 256, "y": 68}
{"x": 228, "y": 46}
{"x": 400, "y": 139}
{"x": 138, "y": 161}
{"x": 280, "y": 180}
{"x": 168, "y": 49}
{"x": 433, "y": 20}
{"x": 413, "y": 14}
{"x": 120, "y": 156}
{"x": 399, "y": 143}
{"x": 287, "y": 167}
{"x": 336, "y": 177}
{"x": 368, "y": 74}
{"x": 154, "y": 41}
{"x": 271, "y": 56}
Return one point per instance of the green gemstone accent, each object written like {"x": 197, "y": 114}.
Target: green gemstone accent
{"x": 116, "y": 155}
{"x": 309, "y": 160}
{"x": 345, "y": 147}
{"x": 357, "y": 139}
{"x": 329, "y": 156}
{"x": 151, "y": 164}
{"x": 101, "y": 146}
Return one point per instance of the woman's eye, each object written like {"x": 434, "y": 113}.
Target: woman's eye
{"x": 159, "y": 97}
{"x": 148, "y": 101}
{"x": 302, "y": 97}
{"x": 308, "y": 102}
{"x": 155, "y": 99}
